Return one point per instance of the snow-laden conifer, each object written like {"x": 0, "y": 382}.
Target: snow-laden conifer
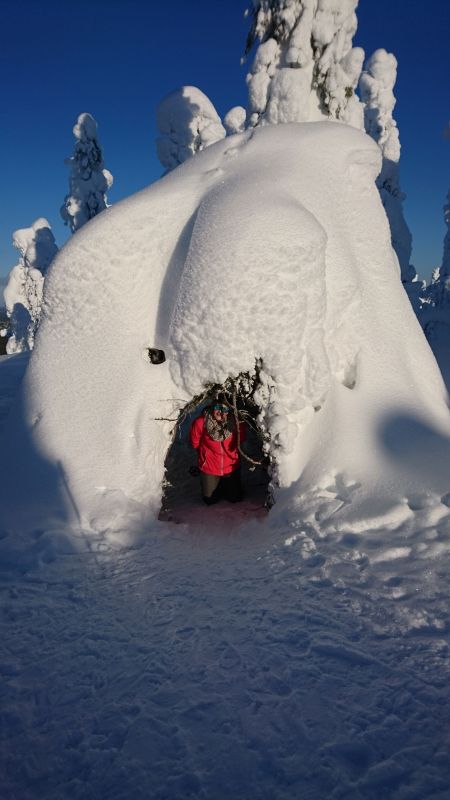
{"x": 23, "y": 292}
{"x": 376, "y": 87}
{"x": 89, "y": 181}
{"x": 187, "y": 122}
{"x": 305, "y": 67}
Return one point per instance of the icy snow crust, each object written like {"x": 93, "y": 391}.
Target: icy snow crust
{"x": 269, "y": 245}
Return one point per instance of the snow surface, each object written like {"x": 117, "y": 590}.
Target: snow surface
{"x": 12, "y": 369}
{"x": 213, "y": 662}
{"x": 271, "y": 246}
{"x": 302, "y": 653}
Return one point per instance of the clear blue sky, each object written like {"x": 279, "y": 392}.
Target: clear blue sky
{"x": 117, "y": 58}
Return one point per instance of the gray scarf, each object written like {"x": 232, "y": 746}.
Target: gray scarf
{"x": 219, "y": 430}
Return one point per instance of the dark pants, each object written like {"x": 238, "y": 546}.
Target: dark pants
{"x": 225, "y": 487}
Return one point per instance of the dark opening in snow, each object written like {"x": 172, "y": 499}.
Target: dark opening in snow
{"x": 156, "y": 356}
{"x": 182, "y": 489}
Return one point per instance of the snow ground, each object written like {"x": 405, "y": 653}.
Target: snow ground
{"x": 201, "y": 662}
{"x": 441, "y": 351}
{"x": 217, "y": 660}
{"x": 302, "y": 654}
{"x": 12, "y": 369}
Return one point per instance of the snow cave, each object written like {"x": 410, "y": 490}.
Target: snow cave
{"x": 179, "y": 491}
{"x": 269, "y": 248}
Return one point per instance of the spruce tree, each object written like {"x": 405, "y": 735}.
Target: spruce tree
{"x": 24, "y": 290}
{"x": 376, "y": 87}
{"x": 305, "y": 67}
{"x": 89, "y": 180}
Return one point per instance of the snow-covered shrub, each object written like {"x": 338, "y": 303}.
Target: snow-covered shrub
{"x": 305, "y": 67}
{"x": 376, "y": 87}
{"x": 234, "y": 120}
{"x": 23, "y": 292}
{"x": 187, "y": 122}
{"x": 89, "y": 180}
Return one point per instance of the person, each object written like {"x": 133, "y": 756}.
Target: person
{"x": 214, "y": 436}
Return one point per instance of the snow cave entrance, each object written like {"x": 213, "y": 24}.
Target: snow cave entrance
{"x": 181, "y": 487}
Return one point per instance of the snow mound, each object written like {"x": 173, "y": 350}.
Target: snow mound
{"x": 271, "y": 248}
{"x": 234, "y": 120}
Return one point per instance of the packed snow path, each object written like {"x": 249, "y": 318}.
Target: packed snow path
{"x": 217, "y": 662}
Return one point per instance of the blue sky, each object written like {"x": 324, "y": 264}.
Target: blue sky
{"x": 117, "y": 58}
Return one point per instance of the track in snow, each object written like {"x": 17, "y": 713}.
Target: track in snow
{"x": 226, "y": 663}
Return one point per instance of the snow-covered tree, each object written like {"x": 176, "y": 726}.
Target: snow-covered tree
{"x": 187, "y": 122}
{"x": 305, "y": 67}
{"x": 23, "y": 292}
{"x": 234, "y": 120}
{"x": 376, "y": 87}
{"x": 89, "y": 180}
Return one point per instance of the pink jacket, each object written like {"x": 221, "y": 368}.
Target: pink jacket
{"x": 215, "y": 458}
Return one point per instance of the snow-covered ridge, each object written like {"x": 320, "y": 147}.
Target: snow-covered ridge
{"x": 270, "y": 246}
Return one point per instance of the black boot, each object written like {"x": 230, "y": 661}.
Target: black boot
{"x": 211, "y": 500}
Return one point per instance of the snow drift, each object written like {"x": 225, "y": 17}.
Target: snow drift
{"x": 269, "y": 247}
